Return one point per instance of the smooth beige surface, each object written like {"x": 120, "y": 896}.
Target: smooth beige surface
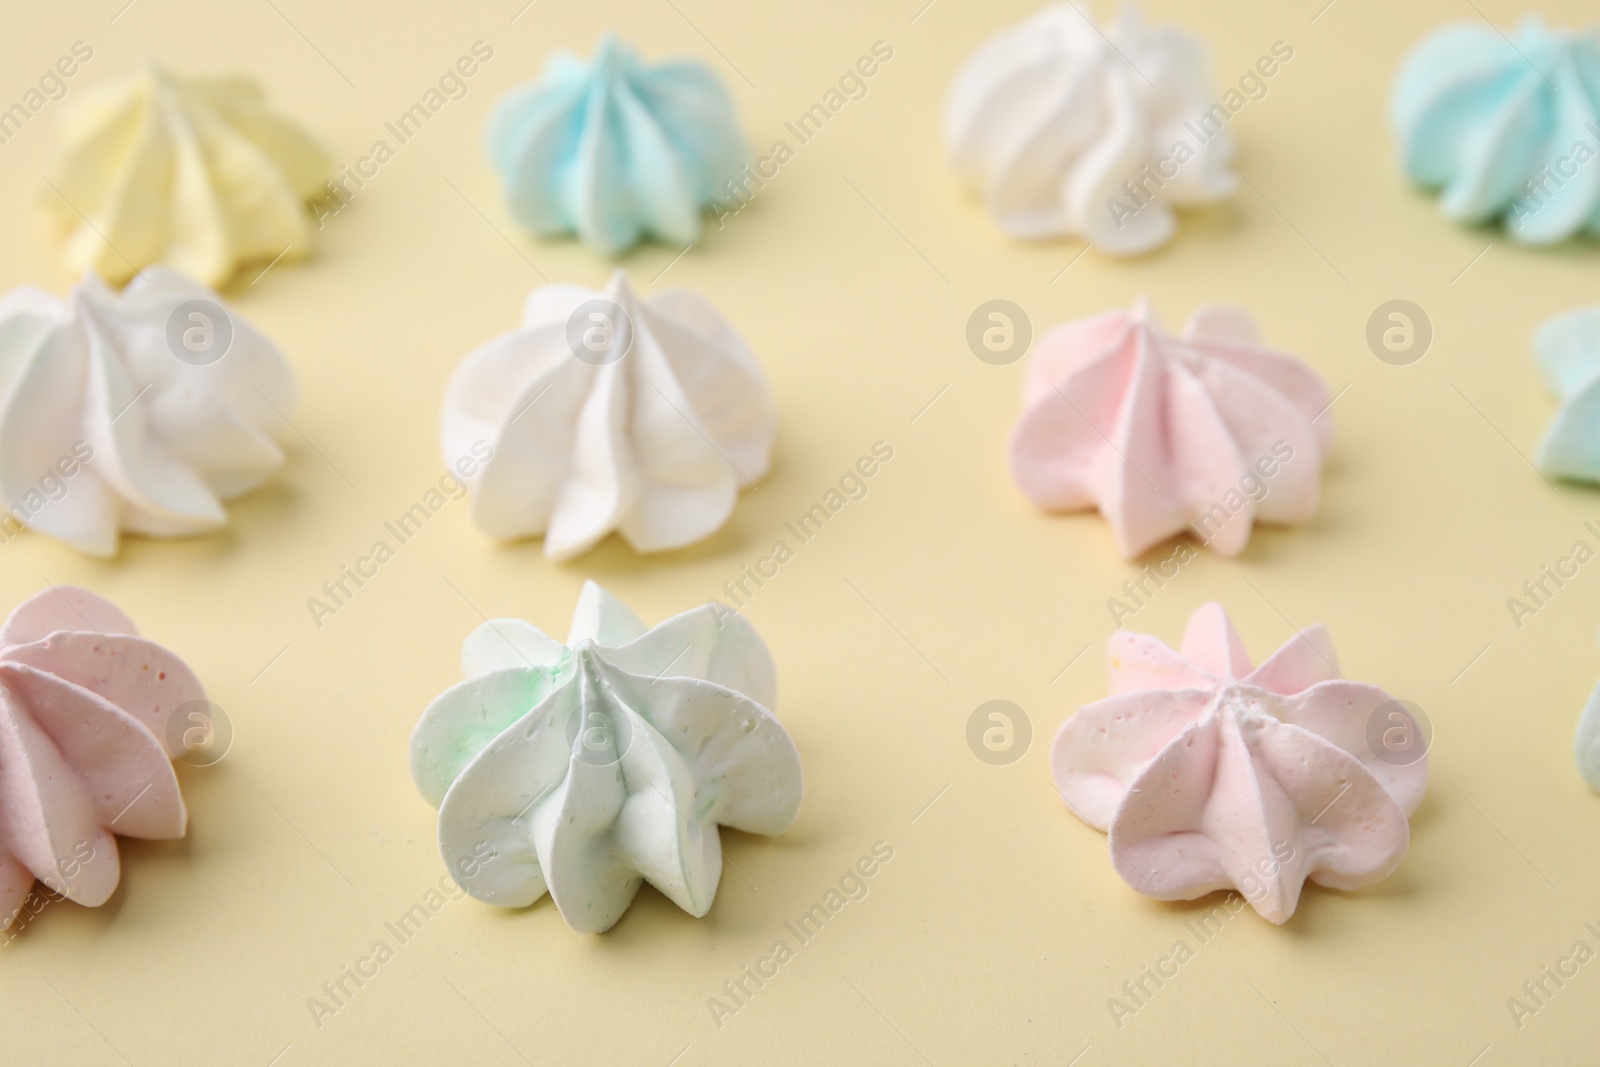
{"x": 999, "y": 931}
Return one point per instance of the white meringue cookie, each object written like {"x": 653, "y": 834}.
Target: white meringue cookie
{"x": 584, "y": 769}
{"x": 1050, "y": 117}
{"x": 607, "y": 412}
{"x": 103, "y": 427}
{"x": 193, "y": 173}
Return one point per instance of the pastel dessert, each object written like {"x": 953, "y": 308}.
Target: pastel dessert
{"x": 197, "y": 174}
{"x": 140, "y": 411}
{"x": 607, "y": 412}
{"x": 1586, "y": 747}
{"x": 1064, "y": 128}
{"x": 85, "y": 749}
{"x": 584, "y": 769}
{"x": 615, "y": 150}
{"x": 1209, "y": 773}
{"x": 1567, "y": 349}
{"x": 1208, "y": 433}
{"x": 1505, "y": 127}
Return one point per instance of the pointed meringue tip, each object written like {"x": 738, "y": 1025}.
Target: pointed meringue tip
{"x": 1144, "y": 315}
{"x": 1212, "y": 643}
{"x": 90, "y": 287}
{"x": 619, "y": 288}
{"x": 610, "y": 52}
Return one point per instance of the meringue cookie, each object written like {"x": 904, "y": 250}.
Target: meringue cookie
{"x": 196, "y": 174}
{"x": 1567, "y": 349}
{"x": 85, "y": 751}
{"x": 1210, "y": 432}
{"x": 583, "y": 769}
{"x": 1049, "y": 119}
{"x": 617, "y": 151}
{"x": 1586, "y": 748}
{"x": 1211, "y": 774}
{"x": 1506, "y": 127}
{"x": 104, "y": 428}
{"x": 607, "y": 412}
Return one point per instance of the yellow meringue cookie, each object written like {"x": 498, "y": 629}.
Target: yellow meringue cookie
{"x": 195, "y": 174}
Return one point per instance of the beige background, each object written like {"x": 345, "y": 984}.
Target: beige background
{"x": 999, "y": 930}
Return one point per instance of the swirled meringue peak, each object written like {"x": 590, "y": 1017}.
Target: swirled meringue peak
{"x": 195, "y": 174}
{"x": 85, "y": 748}
{"x": 1567, "y": 349}
{"x": 1507, "y": 128}
{"x": 608, "y": 412}
{"x": 583, "y": 769}
{"x": 1060, "y": 125}
{"x": 1207, "y": 433}
{"x": 1208, "y": 773}
{"x": 617, "y": 151}
{"x": 141, "y": 411}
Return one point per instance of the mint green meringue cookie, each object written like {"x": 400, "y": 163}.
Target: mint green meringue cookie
{"x": 584, "y": 769}
{"x": 616, "y": 151}
{"x": 1506, "y": 128}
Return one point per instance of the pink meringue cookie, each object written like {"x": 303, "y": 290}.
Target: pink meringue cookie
{"x": 1209, "y": 432}
{"x": 84, "y": 748}
{"x": 1211, "y": 774}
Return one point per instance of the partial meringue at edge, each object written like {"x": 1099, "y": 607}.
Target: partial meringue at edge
{"x": 584, "y": 769}
{"x": 1567, "y": 349}
{"x": 104, "y": 428}
{"x": 1586, "y": 746}
{"x": 1208, "y": 433}
{"x": 606, "y": 411}
{"x": 1208, "y": 773}
{"x": 193, "y": 173}
{"x": 1507, "y": 128}
{"x": 1056, "y": 123}
{"x": 85, "y": 749}
{"x": 615, "y": 150}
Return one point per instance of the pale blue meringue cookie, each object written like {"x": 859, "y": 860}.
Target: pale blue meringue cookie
{"x": 1567, "y": 349}
{"x": 1507, "y": 128}
{"x": 617, "y": 151}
